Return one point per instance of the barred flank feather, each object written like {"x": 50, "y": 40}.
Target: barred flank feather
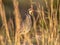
{"x": 26, "y": 25}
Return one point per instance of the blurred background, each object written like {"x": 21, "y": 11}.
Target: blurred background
{"x": 29, "y": 22}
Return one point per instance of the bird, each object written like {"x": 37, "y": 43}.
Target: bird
{"x": 26, "y": 24}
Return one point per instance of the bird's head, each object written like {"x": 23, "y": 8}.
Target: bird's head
{"x": 32, "y": 9}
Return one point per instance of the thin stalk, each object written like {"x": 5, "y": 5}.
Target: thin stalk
{"x": 2, "y": 12}
{"x": 17, "y": 21}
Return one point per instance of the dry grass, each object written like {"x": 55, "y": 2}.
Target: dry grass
{"x": 46, "y": 32}
{"x": 2, "y": 12}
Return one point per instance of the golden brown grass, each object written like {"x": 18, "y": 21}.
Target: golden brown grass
{"x": 47, "y": 32}
{"x": 2, "y": 12}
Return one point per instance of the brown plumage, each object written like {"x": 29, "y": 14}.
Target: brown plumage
{"x": 26, "y": 25}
